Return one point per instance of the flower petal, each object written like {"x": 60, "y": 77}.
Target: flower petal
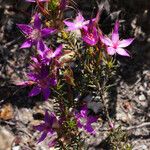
{"x": 115, "y": 34}
{"x": 47, "y": 31}
{"x": 43, "y": 136}
{"x": 40, "y": 127}
{"x": 40, "y": 45}
{"x": 106, "y": 40}
{"x": 26, "y": 44}
{"x": 26, "y": 29}
{"x": 35, "y": 91}
{"x": 111, "y": 50}
{"x": 125, "y": 42}
{"x": 53, "y": 81}
{"x": 72, "y": 28}
{"x": 34, "y": 59}
{"x": 79, "y": 18}
{"x": 122, "y": 52}
{"x": 37, "y": 22}
{"x": 47, "y": 117}
{"x": 89, "y": 128}
{"x": 57, "y": 52}
{"x": 92, "y": 119}
{"x": 86, "y": 22}
{"x": 52, "y": 143}
{"x": 33, "y": 76}
{"x": 46, "y": 93}
{"x": 71, "y": 25}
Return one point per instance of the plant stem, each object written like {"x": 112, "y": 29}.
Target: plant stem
{"x": 101, "y": 93}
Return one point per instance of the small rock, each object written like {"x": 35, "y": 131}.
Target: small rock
{"x": 6, "y": 139}
{"x": 141, "y": 88}
{"x": 6, "y": 112}
{"x": 142, "y": 97}
{"x": 145, "y": 85}
{"x": 16, "y": 148}
{"x": 95, "y": 106}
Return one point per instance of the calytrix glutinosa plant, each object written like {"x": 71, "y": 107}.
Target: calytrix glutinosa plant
{"x": 72, "y": 59}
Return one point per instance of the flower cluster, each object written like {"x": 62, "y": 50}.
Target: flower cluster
{"x": 91, "y": 35}
{"x": 40, "y": 75}
{"x": 52, "y": 70}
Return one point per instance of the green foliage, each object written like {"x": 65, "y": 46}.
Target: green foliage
{"x": 118, "y": 140}
{"x": 53, "y": 5}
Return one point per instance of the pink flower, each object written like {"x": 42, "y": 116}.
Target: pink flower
{"x": 78, "y": 23}
{"x": 114, "y": 45}
{"x": 90, "y": 34}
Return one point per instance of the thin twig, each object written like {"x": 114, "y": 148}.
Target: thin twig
{"x": 129, "y": 128}
{"x": 137, "y": 126}
{"x": 104, "y": 102}
{"x": 8, "y": 122}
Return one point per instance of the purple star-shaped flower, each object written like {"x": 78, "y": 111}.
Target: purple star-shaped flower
{"x": 35, "y": 34}
{"x": 48, "y": 127}
{"x": 78, "y": 23}
{"x": 84, "y": 121}
{"x": 42, "y": 85}
{"x": 41, "y": 81}
{"x": 47, "y": 55}
{"x": 114, "y": 45}
{"x": 90, "y": 34}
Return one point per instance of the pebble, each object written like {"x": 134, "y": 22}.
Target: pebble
{"x": 95, "y": 106}
{"x": 142, "y": 97}
{"x": 6, "y": 139}
{"x": 145, "y": 85}
{"x": 141, "y": 88}
{"x": 16, "y": 148}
